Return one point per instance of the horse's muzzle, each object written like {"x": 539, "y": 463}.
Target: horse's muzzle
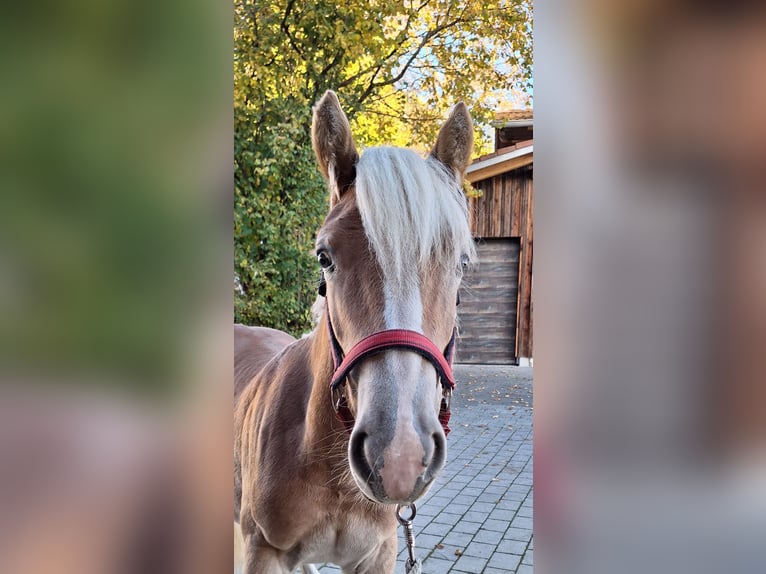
{"x": 399, "y": 472}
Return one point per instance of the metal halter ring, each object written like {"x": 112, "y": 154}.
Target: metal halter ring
{"x": 402, "y": 520}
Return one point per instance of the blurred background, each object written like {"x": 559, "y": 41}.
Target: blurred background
{"x": 115, "y": 286}
{"x": 650, "y": 309}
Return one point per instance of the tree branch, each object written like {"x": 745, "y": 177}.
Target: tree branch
{"x": 286, "y": 29}
{"x": 426, "y": 38}
{"x": 318, "y": 85}
{"x": 401, "y": 40}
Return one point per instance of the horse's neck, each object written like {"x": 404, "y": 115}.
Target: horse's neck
{"x": 323, "y": 429}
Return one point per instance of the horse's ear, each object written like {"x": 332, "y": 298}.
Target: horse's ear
{"x": 333, "y": 145}
{"x": 454, "y": 144}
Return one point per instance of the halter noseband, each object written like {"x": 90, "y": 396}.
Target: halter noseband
{"x": 382, "y": 341}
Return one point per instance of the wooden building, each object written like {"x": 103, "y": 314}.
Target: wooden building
{"x": 496, "y": 298}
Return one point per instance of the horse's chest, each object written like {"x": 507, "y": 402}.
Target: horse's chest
{"x": 351, "y": 537}
{"x": 322, "y": 526}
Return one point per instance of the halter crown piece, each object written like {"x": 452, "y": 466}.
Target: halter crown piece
{"x": 382, "y": 341}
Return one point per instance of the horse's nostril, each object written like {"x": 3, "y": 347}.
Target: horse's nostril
{"x": 357, "y": 455}
{"x": 356, "y": 443}
{"x": 439, "y": 451}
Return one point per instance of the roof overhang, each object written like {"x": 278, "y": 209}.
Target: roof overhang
{"x": 500, "y": 124}
{"x": 501, "y": 163}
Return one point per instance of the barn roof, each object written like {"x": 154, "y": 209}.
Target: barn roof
{"x": 500, "y": 161}
{"x": 513, "y": 117}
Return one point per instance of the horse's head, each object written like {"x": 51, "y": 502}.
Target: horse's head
{"x": 392, "y": 250}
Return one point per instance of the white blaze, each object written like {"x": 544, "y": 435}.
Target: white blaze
{"x": 403, "y": 458}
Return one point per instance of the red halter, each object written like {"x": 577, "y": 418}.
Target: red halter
{"x": 381, "y": 341}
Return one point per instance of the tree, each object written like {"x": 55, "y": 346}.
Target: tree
{"x": 400, "y": 63}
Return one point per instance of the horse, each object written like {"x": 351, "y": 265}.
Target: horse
{"x": 349, "y": 423}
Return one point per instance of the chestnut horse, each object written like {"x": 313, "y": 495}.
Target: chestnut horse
{"x": 348, "y": 422}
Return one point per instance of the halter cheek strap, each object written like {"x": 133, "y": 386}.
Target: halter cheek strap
{"x": 381, "y": 341}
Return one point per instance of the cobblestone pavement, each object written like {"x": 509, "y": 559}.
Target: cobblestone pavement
{"x": 477, "y": 517}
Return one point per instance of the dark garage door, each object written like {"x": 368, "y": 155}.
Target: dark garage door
{"x": 487, "y": 311}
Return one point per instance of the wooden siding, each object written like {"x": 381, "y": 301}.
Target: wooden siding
{"x": 505, "y": 210}
{"x": 524, "y": 327}
{"x": 488, "y": 305}
{"x": 504, "y": 206}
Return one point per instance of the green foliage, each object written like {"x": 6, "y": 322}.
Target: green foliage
{"x": 396, "y": 66}
{"x": 279, "y": 203}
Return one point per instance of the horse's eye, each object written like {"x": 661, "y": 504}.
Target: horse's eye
{"x": 464, "y": 261}
{"x": 324, "y": 260}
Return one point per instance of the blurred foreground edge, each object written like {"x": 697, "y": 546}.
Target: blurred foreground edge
{"x": 650, "y": 287}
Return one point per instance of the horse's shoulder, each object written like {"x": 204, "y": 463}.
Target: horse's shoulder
{"x": 285, "y": 379}
{"x": 289, "y": 366}
{"x": 256, "y": 413}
